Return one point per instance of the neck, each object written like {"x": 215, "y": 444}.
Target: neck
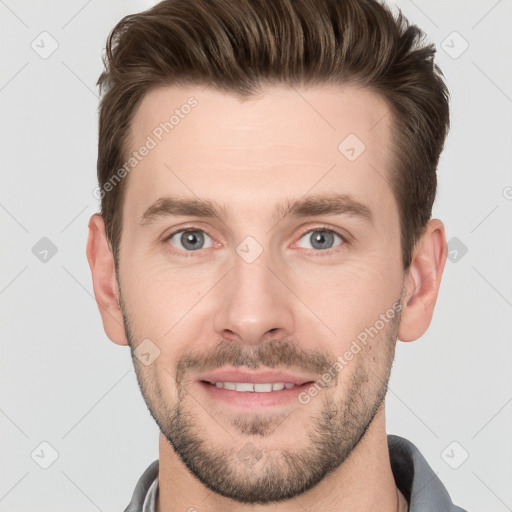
{"x": 364, "y": 482}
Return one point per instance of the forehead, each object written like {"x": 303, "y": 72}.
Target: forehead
{"x": 280, "y": 144}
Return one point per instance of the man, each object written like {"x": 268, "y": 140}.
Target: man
{"x": 266, "y": 173}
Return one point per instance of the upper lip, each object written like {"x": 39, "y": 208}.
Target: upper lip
{"x": 255, "y": 377}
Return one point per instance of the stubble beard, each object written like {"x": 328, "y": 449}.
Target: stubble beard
{"x": 250, "y": 472}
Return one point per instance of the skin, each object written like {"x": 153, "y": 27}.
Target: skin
{"x": 289, "y": 301}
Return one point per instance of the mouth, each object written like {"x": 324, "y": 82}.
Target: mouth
{"x": 249, "y": 387}
{"x": 253, "y": 390}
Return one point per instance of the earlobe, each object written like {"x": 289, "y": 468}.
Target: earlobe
{"x": 423, "y": 281}
{"x": 101, "y": 262}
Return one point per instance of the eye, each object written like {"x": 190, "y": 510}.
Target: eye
{"x": 190, "y": 239}
{"x": 321, "y": 239}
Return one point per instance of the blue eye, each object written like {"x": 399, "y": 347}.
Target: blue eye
{"x": 321, "y": 239}
{"x": 190, "y": 239}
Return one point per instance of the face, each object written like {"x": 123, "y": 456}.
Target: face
{"x": 260, "y": 262}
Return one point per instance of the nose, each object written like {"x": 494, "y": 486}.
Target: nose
{"x": 255, "y": 303}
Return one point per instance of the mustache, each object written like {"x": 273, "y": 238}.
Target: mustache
{"x": 274, "y": 354}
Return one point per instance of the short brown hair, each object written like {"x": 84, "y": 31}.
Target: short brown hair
{"x": 238, "y": 46}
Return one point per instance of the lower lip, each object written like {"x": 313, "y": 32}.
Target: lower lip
{"x": 253, "y": 399}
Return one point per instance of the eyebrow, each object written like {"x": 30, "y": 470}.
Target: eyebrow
{"x": 325, "y": 204}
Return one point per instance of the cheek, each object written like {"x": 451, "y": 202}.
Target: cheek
{"x": 163, "y": 301}
{"x": 348, "y": 298}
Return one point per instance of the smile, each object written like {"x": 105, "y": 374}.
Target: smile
{"x": 245, "y": 387}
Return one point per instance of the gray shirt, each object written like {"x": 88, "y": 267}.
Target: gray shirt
{"x": 414, "y": 478}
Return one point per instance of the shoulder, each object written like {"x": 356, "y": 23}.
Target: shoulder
{"x": 416, "y": 480}
{"x": 142, "y": 488}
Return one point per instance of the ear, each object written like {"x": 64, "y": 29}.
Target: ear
{"x": 106, "y": 291}
{"x": 423, "y": 281}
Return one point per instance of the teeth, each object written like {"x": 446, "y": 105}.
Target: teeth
{"x": 257, "y": 388}
{"x": 243, "y": 386}
{"x": 262, "y": 388}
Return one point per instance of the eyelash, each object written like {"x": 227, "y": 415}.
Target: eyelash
{"x": 314, "y": 252}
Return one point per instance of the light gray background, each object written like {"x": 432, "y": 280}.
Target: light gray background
{"x": 63, "y": 382}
